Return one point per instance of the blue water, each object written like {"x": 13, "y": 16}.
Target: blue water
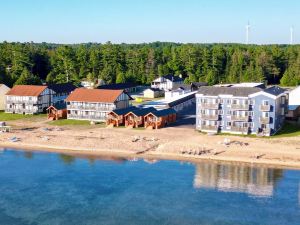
{"x": 49, "y": 188}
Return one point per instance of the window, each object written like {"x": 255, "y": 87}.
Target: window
{"x": 265, "y": 102}
{"x": 228, "y": 101}
{"x": 282, "y": 111}
{"x": 228, "y": 124}
{"x": 221, "y": 112}
{"x": 251, "y": 113}
{"x": 265, "y": 114}
{"x": 228, "y": 112}
{"x": 282, "y": 99}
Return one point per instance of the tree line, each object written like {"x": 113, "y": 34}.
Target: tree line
{"x": 36, "y": 63}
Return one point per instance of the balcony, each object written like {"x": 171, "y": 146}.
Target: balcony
{"x": 265, "y": 108}
{"x": 26, "y": 102}
{"x": 21, "y": 111}
{"x": 264, "y": 120}
{"x": 209, "y": 117}
{"x": 86, "y": 117}
{"x": 240, "y": 129}
{"x": 92, "y": 108}
{"x": 209, "y": 105}
{"x": 240, "y": 106}
{"x": 240, "y": 118}
{"x": 210, "y": 127}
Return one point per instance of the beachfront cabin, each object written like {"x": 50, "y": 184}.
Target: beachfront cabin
{"x": 127, "y": 87}
{"x": 167, "y": 82}
{"x": 153, "y": 93}
{"x": 60, "y": 92}
{"x": 57, "y": 111}
{"x": 159, "y": 119}
{"x": 116, "y": 117}
{"x": 3, "y": 90}
{"x": 95, "y": 104}
{"x": 28, "y": 99}
{"x": 135, "y": 118}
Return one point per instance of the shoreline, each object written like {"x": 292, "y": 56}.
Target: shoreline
{"x": 171, "y": 143}
{"x": 123, "y": 154}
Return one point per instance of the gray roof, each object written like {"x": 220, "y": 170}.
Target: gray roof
{"x": 163, "y": 112}
{"x": 274, "y": 90}
{"x": 235, "y": 91}
{"x": 124, "y": 111}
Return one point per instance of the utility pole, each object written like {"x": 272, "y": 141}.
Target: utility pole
{"x": 291, "y": 35}
{"x": 247, "y": 33}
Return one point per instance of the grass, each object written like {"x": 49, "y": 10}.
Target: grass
{"x": 288, "y": 130}
{"x": 9, "y": 116}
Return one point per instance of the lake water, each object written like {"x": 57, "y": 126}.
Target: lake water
{"x": 49, "y": 188}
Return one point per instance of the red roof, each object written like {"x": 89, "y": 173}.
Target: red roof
{"x": 94, "y": 95}
{"x": 26, "y": 90}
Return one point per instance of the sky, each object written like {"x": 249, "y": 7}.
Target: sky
{"x": 140, "y": 21}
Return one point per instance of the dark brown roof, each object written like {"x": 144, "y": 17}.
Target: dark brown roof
{"x": 62, "y": 88}
{"x": 26, "y": 90}
{"x": 94, "y": 95}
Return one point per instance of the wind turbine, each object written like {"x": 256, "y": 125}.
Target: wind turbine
{"x": 247, "y": 32}
{"x": 292, "y": 35}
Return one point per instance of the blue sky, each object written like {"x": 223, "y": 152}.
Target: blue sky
{"x": 137, "y": 21}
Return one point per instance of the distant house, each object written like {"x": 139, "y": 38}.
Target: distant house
{"x": 167, "y": 82}
{"x": 153, "y": 93}
{"x": 28, "y": 99}
{"x": 128, "y": 87}
{"x": 169, "y": 94}
{"x": 95, "y": 104}
{"x": 3, "y": 90}
{"x": 241, "y": 110}
{"x": 160, "y": 118}
{"x": 60, "y": 92}
{"x": 294, "y": 104}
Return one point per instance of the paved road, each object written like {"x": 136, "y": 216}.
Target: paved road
{"x": 186, "y": 118}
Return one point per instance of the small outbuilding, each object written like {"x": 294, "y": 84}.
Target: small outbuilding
{"x": 57, "y": 111}
{"x": 135, "y": 118}
{"x": 153, "y": 93}
{"x": 160, "y": 118}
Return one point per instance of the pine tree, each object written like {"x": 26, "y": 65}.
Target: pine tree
{"x": 28, "y": 78}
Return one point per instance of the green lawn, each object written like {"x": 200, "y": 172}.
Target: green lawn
{"x": 9, "y": 116}
{"x": 288, "y": 130}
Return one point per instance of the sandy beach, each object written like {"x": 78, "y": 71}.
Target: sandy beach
{"x": 178, "y": 143}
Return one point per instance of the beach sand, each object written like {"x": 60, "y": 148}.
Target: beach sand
{"x": 176, "y": 143}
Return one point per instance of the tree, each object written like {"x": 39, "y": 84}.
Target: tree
{"x": 120, "y": 78}
{"x": 28, "y": 78}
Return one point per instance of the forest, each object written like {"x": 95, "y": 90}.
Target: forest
{"x": 36, "y": 63}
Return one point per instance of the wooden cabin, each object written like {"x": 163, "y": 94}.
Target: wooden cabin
{"x": 117, "y": 117}
{"x": 57, "y": 111}
{"x": 135, "y": 118}
{"x": 159, "y": 119}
